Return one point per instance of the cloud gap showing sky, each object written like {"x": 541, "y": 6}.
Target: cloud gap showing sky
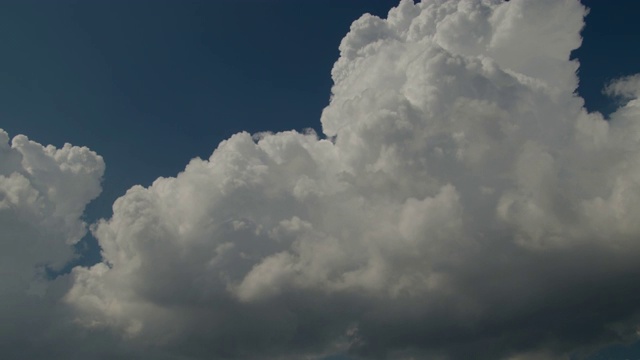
{"x": 460, "y": 203}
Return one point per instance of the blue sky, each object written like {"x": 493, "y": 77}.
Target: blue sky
{"x": 150, "y": 85}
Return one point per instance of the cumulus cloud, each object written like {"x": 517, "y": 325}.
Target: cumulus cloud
{"x": 463, "y": 204}
{"x": 43, "y": 192}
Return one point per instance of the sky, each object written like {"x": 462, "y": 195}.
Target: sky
{"x": 456, "y": 184}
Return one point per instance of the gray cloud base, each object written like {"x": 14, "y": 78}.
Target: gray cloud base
{"x": 464, "y": 205}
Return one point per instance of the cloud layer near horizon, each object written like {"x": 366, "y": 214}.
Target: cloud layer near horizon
{"x": 464, "y": 205}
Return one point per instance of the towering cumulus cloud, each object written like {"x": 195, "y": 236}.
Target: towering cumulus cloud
{"x": 464, "y": 204}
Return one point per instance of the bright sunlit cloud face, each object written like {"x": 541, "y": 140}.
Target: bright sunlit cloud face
{"x": 465, "y": 205}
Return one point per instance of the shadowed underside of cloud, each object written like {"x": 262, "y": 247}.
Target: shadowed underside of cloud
{"x": 464, "y": 205}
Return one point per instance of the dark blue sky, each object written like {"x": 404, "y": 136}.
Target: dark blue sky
{"x": 150, "y": 84}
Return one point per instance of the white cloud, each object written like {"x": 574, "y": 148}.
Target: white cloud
{"x": 43, "y": 192}
{"x": 466, "y": 206}
{"x": 626, "y": 87}
{"x": 467, "y": 192}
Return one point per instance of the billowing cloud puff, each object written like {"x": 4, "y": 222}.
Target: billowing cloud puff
{"x": 463, "y": 205}
{"x": 43, "y": 192}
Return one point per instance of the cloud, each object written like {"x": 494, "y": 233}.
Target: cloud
{"x": 43, "y": 192}
{"x": 627, "y": 87}
{"x": 464, "y": 204}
